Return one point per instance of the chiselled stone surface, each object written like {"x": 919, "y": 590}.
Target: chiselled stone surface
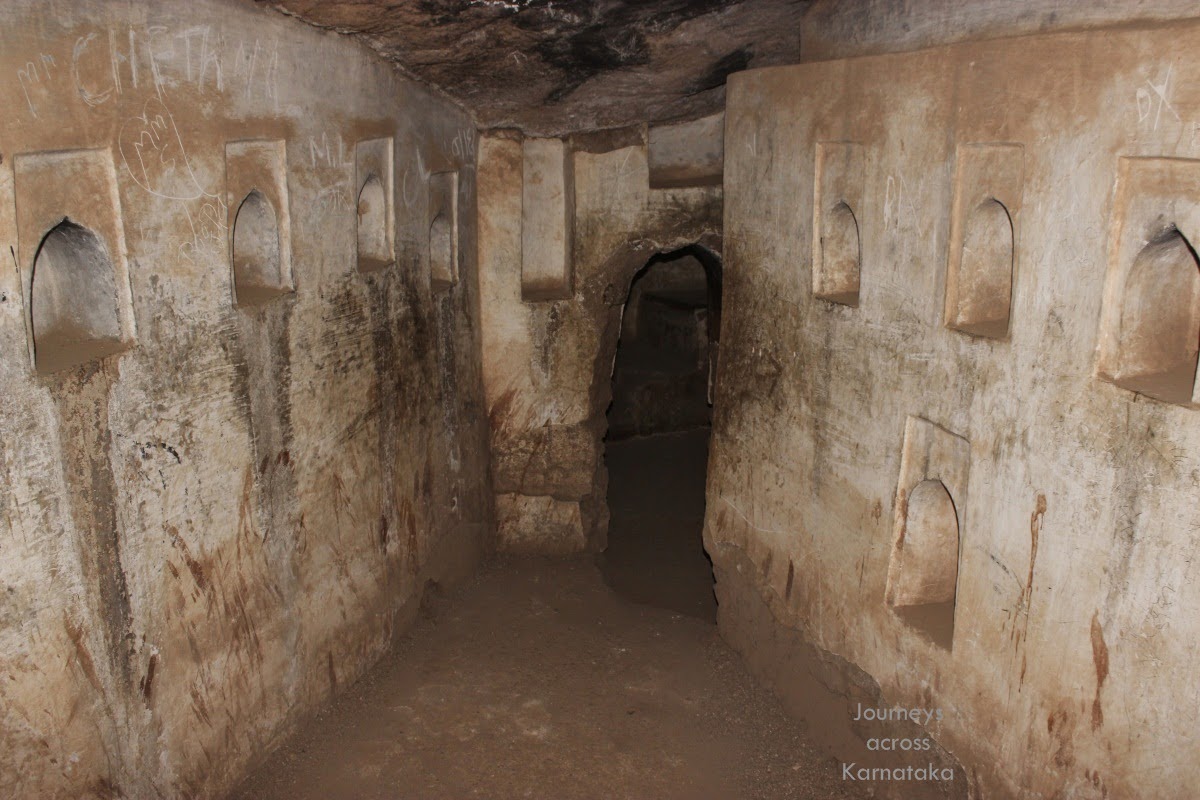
{"x": 1073, "y": 622}
{"x": 556, "y": 460}
{"x": 215, "y": 513}
{"x": 550, "y": 67}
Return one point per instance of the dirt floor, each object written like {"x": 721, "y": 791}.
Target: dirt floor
{"x": 538, "y": 680}
{"x": 656, "y": 500}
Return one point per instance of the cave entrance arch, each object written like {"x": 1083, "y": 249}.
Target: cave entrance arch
{"x": 658, "y": 426}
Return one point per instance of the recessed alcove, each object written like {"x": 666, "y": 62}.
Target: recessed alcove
{"x": 1150, "y": 326}
{"x": 71, "y": 257}
{"x": 547, "y": 220}
{"x": 925, "y": 562}
{"x": 376, "y": 249}
{"x": 981, "y": 266}
{"x": 985, "y": 272}
{"x": 75, "y": 316}
{"x": 443, "y": 229}
{"x": 259, "y": 221}
{"x": 257, "y": 273}
{"x": 839, "y": 176}
{"x": 372, "y": 227}
{"x": 1159, "y": 336}
{"x": 931, "y": 491}
{"x": 441, "y": 251}
{"x": 841, "y": 257}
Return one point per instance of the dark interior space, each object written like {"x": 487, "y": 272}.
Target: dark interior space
{"x": 658, "y": 431}
{"x": 364, "y": 436}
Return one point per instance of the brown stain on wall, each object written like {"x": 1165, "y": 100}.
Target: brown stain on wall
{"x": 200, "y": 708}
{"x": 148, "y": 681}
{"x": 502, "y": 410}
{"x": 82, "y": 654}
{"x": 182, "y": 380}
{"x": 193, "y": 565}
{"x": 1100, "y": 657}
{"x": 82, "y": 396}
{"x": 261, "y": 351}
{"x": 1036, "y": 521}
{"x": 1061, "y": 729}
{"x": 1020, "y": 631}
{"x": 410, "y": 521}
{"x": 386, "y": 294}
{"x": 902, "y": 511}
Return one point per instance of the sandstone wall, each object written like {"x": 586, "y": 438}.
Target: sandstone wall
{"x": 1000, "y": 229}
{"x": 220, "y": 502}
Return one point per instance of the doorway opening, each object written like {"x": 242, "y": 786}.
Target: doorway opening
{"x": 659, "y": 423}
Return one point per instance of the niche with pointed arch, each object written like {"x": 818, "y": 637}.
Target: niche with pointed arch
{"x": 922, "y": 579}
{"x": 257, "y": 273}
{"x": 71, "y": 256}
{"x": 841, "y": 257}
{"x": 988, "y": 185}
{"x": 376, "y": 218}
{"x": 1150, "y": 323}
{"x": 259, "y": 221}
{"x": 925, "y": 562}
{"x": 985, "y": 271}
{"x": 1159, "y": 323}
{"x": 837, "y": 237}
{"x": 74, "y": 311}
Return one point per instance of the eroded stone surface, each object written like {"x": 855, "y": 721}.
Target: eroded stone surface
{"x": 548, "y": 365}
{"x": 211, "y": 530}
{"x": 1073, "y": 620}
{"x": 550, "y": 67}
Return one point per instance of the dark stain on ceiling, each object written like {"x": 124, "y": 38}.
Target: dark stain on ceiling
{"x": 555, "y": 66}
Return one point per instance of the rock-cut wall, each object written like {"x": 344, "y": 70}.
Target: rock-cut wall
{"x": 565, "y": 226}
{"x": 241, "y": 420}
{"x": 956, "y": 440}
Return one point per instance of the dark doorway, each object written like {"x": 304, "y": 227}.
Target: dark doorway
{"x": 658, "y": 431}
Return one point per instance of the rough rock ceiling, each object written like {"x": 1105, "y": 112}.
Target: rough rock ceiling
{"x": 558, "y": 66}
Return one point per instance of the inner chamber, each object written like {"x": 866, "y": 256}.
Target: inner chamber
{"x": 658, "y": 432}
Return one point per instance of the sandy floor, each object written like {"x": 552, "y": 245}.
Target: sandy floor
{"x": 656, "y": 500}
{"x": 538, "y": 680}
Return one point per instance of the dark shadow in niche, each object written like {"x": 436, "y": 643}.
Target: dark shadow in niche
{"x": 257, "y": 269}
{"x": 922, "y": 591}
{"x": 659, "y": 422}
{"x": 373, "y": 250}
{"x": 441, "y": 251}
{"x": 841, "y": 257}
{"x": 74, "y": 311}
{"x": 1160, "y": 321}
{"x": 985, "y": 272}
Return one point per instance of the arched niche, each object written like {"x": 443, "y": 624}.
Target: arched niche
{"x": 985, "y": 272}
{"x": 257, "y": 265}
{"x": 1159, "y": 326}
{"x": 841, "y": 256}
{"x": 75, "y": 315}
{"x": 923, "y": 576}
{"x": 374, "y": 248}
{"x": 442, "y": 256}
